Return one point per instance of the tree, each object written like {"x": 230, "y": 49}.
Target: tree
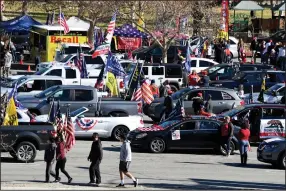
{"x": 162, "y": 18}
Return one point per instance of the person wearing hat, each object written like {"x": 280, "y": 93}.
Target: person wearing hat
{"x": 253, "y": 48}
{"x": 154, "y": 88}
{"x": 205, "y": 80}
{"x": 198, "y": 102}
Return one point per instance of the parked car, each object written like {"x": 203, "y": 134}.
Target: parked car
{"x": 189, "y": 133}
{"x": 199, "y": 64}
{"x": 266, "y": 120}
{"x": 24, "y": 116}
{"x": 227, "y": 71}
{"x": 248, "y": 78}
{"x": 32, "y": 85}
{"x": 106, "y": 127}
{"x": 273, "y": 151}
{"x": 222, "y": 99}
{"x": 79, "y": 96}
{"x": 271, "y": 95}
{"x": 23, "y": 141}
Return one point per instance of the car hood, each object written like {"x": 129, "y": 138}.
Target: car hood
{"x": 222, "y": 81}
{"x": 277, "y": 139}
{"x": 149, "y": 129}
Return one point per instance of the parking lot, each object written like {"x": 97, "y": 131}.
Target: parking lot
{"x": 173, "y": 170}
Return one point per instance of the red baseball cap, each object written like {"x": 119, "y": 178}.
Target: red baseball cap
{"x": 170, "y": 92}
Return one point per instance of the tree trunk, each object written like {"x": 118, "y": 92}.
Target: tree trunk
{"x": 90, "y": 32}
{"x": 25, "y": 8}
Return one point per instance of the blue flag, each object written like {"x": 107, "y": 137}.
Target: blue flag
{"x": 114, "y": 66}
{"x": 178, "y": 112}
{"x": 14, "y": 94}
{"x": 188, "y": 59}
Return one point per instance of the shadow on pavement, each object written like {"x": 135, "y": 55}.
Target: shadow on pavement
{"x": 83, "y": 167}
{"x": 199, "y": 163}
{"x": 114, "y": 149}
{"x": 259, "y": 166}
{"x": 182, "y": 186}
{"x": 220, "y": 184}
{"x": 12, "y": 160}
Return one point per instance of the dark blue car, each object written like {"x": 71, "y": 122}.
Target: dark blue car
{"x": 248, "y": 78}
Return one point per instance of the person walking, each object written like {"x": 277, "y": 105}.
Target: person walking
{"x": 226, "y": 134}
{"x": 154, "y": 88}
{"x": 240, "y": 46}
{"x": 49, "y": 158}
{"x": 198, "y": 102}
{"x": 95, "y": 157}
{"x": 8, "y": 61}
{"x": 61, "y": 159}
{"x": 125, "y": 161}
{"x": 168, "y": 104}
{"x": 253, "y": 48}
{"x": 244, "y": 134}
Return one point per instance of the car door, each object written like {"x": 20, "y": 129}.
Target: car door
{"x": 71, "y": 78}
{"x": 187, "y": 137}
{"x": 188, "y": 103}
{"x": 50, "y": 83}
{"x": 157, "y": 72}
{"x": 207, "y": 134}
{"x": 64, "y": 96}
{"x": 84, "y": 98}
{"x": 85, "y": 126}
{"x": 218, "y": 103}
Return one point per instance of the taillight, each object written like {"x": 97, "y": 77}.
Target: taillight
{"x": 121, "y": 84}
{"x": 242, "y": 102}
{"x": 139, "y": 107}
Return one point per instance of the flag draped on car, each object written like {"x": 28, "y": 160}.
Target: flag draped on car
{"x": 69, "y": 131}
{"x": 62, "y": 21}
{"x": 105, "y": 47}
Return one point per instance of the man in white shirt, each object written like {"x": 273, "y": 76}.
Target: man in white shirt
{"x": 8, "y": 61}
{"x": 266, "y": 52}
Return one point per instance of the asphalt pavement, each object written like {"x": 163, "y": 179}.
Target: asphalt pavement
{"x": 173, "y": 170}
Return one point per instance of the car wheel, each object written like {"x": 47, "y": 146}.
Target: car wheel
{"x": 282, "y": 161}
{"x": 119, "y": 130}
{"x": 173, "y": 88}
{"x": 223, "y": 148}
{"x": 157, "y": 145}
{"x": 26, "y": 152}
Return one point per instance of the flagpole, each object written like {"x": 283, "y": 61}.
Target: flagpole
{"x": 60, "y": 25}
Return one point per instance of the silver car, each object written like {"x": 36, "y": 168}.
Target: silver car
{"x": 223, "y": 99}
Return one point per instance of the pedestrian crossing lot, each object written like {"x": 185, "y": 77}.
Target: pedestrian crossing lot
{"x": 172, "y": 170}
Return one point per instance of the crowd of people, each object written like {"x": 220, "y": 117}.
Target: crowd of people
{"x": 55, "y": 151}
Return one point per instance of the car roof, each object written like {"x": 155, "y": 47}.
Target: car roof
{"x": 76, "y": 87}
{"x": 158, "y": 64}
{"x": 264, "y": 71}
{"x": 265, "y": 105}
{"x": 44, "y": 77}
{"x": 212, "y": 88}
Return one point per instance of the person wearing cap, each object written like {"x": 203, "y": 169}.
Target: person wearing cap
{"x": 198, "y": 102}
{"x": 154, "y": 89}
{"x": 253, "y": 48}
{"x": 205, "y": 80}
{"x": 226, "y": 130}
{"x": 194, "y": 78}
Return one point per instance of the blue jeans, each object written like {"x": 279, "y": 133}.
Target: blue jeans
{"x": 225, "y": 142}
{"x": 243, "y": 147}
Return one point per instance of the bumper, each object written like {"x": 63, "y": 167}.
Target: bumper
{"x": 265, "y": 156}
{"x": 138, "y": 143}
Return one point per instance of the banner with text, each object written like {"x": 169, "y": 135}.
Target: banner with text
{"x": 127, "y": 43}
{"x": 270, "y": 128}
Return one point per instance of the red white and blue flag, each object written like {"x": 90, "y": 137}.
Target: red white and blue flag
{"x": 105, "y": 47}
{"x": 81, "y": 64}
{"x": 69, "y": 131}
{"x": 62, "y": 21}
{"x": 137, "y": 94}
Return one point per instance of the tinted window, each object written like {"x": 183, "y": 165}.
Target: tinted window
{"x": 56, "y": 72}
{"x": 273, "y": 113}
{"x": 193, "y": 63}
{"x": 50, "y": 83}
{"x": 179, "y": 93}
{"x": 281, "y": 92}
{"x": 145, "y": 70}
{"x": 253, "y": 77}
{"x": 19, "y": 116}
{"x": 216, "y": 95}
{"x": 62, "y": 95}
{"x": 173, "y": 72}
{"x": 157, "y": 70}
{"x": 96, "y": 60}
{"x": 226, "y": 96}
{"x": 39, "y": 85}
{"x": 188, "y": 126}
{"x": 272, "y": 78}
{"x": 70, "y": 73}
{"x": 232, "y": 42}
{"x": 204, "y": 63}
{"x": 208, "y": 125}
{"x": 83, "y": 95}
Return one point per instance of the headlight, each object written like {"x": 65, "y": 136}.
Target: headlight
{"x": 140, "y": 136}
{"x": 271, "y": 146}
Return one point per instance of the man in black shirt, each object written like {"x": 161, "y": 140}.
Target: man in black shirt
{"x": 205, "y": 80}
{"x": 198, "y": 102}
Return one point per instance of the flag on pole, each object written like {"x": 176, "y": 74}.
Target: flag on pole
{"x": 100, "y": 80}
{"x": 105, "y": 47}
{"x": 11, "y": 118}
{"x": 14, "y": 94}
{"x": 111, "y": 83}
{"x": 178, "y": 112}
{"x": 188, "y": 59}
{"x": 52, "y": 113}
{"x": 114, "y": 66}
{"x": 147, "y": 93}
{"x": 81, "y": 64}
{"x": 137, "y": 94}
{"x": 69, "y": 131}
{"x": 59, "y": 119}
{"x": 62, "y": 21}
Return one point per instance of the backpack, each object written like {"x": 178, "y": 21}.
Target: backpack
{"x": 225, "y": 130}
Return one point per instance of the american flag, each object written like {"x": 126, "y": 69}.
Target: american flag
{"x": 69, "y": 131}
{"x": 62, "y": 21}
{"x": 147, "y": 93}
{"x": 104, "y": 48}
{"x": 81, "y": 64}
{"x": 14, "y": 94}
{"x": 114, "y": 66}
{"x": 59, "y": 120}
{"x": 137, "y": 95}
{"x": 178, "y": 111}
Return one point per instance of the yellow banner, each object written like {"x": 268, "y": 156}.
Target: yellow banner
{"x": 223, "y": 34}
{"x": 111, "y": 83}
{"x": 11, "y": 114}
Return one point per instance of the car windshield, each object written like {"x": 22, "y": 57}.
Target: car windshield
{"x": 232, "y": 112}
{"x": 41, "y": 71}
{"x": 212, "y": 69}
{"x": 167, "y": 124}
{"x": 17, "y": 81}
{"x": 238, "y": 76}
{"x": 67, "y": 58}
{"x": 77, "y": 112}
{"x": 47, "y": 92}
{"x": 273, "y": 89}
{"x": 180, "y": 93}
